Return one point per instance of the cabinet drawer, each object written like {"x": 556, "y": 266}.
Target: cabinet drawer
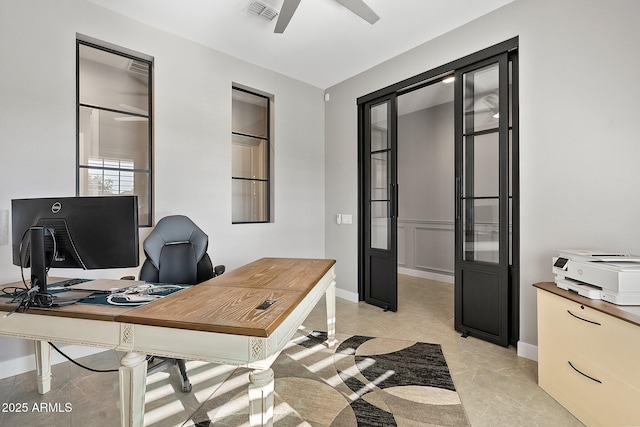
{"x": 609, "y": 343}
{"x": 602, "y": 400}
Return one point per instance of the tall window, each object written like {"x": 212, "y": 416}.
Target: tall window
{"x": 250, "y": 157}
{"x": 114, "y": 125}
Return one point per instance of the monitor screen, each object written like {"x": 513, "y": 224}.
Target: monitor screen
{"x": 78, "y": 232}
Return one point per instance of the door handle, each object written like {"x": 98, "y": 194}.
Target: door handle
{"x": 396, "y": 195}
{"x": 457, "y": 196}
{"x": 393, "y": 208}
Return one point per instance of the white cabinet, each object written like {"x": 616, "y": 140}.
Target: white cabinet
{"x": 589, "y": 361}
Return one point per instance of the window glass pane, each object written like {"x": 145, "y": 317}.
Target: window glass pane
{"x": 249, "y": 157}
{"x": 113, "y": 136}
{"x": 481, "y": 99}
{"x": 114, "y": 123}
{"x": 113, "y": 81}
{"x": 105, "y": 182}
{"x": 250, "y": 114}
{"x": 249, "y": 201}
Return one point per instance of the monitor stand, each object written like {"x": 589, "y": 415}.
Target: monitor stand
{"x": 38, "y": 261}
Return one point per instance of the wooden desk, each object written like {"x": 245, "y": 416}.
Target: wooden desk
{"x": 215, "y": 321}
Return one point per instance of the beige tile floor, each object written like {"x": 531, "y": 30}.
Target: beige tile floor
{"x": 497, "y": 388}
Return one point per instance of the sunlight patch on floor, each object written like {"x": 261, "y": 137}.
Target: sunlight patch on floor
{"x": 306, "y": 352}
{"x": 351, "y": 372}
{"x": 327, "y": 361}
{"x": 229, "y": 408}
{"x": 210, "y": 373}
{"x": 157, "y": 377}
{"x": 370, "y": 386}
{"x": 165, "y": 411}
{"x": 154, "y": 394}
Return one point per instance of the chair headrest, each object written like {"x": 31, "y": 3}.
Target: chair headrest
{"x": 175, "y": 229}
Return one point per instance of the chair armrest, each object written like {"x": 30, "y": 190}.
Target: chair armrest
{"x": 218, "y": 270}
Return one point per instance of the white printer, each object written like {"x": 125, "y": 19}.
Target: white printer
{"x": 612, "y": 277}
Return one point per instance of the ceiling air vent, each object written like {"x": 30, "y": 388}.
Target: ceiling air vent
{"x": 138, "y": 67}
{"x": 262, "y": 10}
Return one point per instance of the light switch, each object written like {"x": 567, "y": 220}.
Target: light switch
{"x": 347, "y": 219}
{"x": 338, "y": 219}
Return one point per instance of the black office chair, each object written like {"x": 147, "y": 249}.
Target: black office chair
{"x": 176, "y": 252}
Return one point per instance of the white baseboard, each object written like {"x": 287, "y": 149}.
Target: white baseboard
{"x": 426, "y": 275}
{"x": 353, "y": 296}
{"x": 347, "y": 295}
{"x": 528, "y": 351}
{"x": 22, "y": 364}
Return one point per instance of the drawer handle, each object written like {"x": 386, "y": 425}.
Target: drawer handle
{"x": 586, "y": 320}
{"x": 582, "y": 373}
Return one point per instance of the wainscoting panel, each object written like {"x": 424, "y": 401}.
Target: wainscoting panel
{"x": 402, "y": 245}
{"x": 426, "y": 245}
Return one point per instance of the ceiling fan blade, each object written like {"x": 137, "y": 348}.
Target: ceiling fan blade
{"x": 360, "y": 8}
{"x": 288, "y": 9}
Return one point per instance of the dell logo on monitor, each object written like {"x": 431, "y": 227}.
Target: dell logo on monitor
{"x": 55, "y": 208}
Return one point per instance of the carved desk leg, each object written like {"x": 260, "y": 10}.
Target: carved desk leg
{"x": 43, "y": 366}
{"x": 261, "y": 398}
{"x": 133, "y": 380}
{"x": 330, "y": 296}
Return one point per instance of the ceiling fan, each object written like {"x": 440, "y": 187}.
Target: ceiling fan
{"x": 359, "y": 7}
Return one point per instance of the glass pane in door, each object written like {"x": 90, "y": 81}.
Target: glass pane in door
{"x": 380, "y": 225}
{"x": 379, "y": 186}
{"x": 482, "y": 166}
{"x": 379, "y": 127}
{"x": 481, "y": 230}
{"x": 481, "y": 102}
{"x": 379, "y": 176}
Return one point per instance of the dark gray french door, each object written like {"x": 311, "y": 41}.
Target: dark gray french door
{"x": 483, "y": 208}
{"x": 380, "y": 194}
{"x": 486, "y": 192}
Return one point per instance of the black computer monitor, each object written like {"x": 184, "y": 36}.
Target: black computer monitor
{"x": 74, "y": 232}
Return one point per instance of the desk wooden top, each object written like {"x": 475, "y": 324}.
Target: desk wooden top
{"x": 227, "y": 303}
{"x": 82, "y": 311}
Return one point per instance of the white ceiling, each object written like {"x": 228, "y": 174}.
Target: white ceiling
{"x": 324, "y": 43}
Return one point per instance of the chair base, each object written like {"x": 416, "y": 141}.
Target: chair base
{"x": 186, "y": 384}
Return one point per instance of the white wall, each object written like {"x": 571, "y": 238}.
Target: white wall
{"x": 579, "y": 148}
{"x": 192, "y": 141}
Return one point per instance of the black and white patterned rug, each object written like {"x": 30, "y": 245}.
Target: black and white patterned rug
{"x": 363, "y": 381}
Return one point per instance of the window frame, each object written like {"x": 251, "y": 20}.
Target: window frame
{"x": 129, "y": 54}
{"x": 268, "y": 142}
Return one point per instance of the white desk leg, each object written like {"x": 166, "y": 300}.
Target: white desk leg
{"x": 261, "y": 398}
{"x": 133, "y": 381}
{"x": 43, "y": 366}
{"x": 330, "y": 296}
